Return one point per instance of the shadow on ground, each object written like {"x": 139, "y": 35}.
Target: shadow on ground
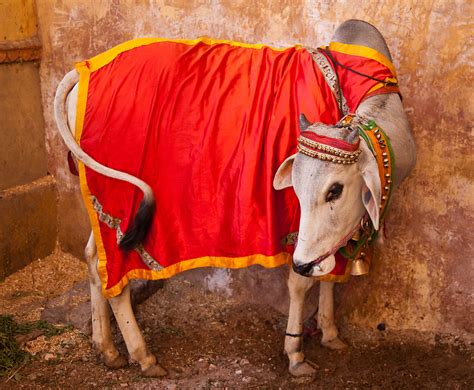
{"x": 207, "y": 341}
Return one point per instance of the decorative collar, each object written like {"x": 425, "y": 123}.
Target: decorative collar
{"x": 379, "y": 144}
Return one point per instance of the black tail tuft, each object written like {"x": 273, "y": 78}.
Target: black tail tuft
{"x": 137, "y": 232}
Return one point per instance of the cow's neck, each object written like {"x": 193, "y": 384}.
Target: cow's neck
{"x": 387, "y": 111}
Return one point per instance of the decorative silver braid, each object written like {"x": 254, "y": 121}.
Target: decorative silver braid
{"x": 326, "y": 157}
{"x": 328, "y": 149}
{"x": 331, "y": 78}
{"x": 114, "y": 223}
{"x": 147, "y": 259}
{"x": 111, "y": 222}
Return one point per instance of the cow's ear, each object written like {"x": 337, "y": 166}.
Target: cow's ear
{"x": 371, "y": 189}
{"x": 282, "y": 178}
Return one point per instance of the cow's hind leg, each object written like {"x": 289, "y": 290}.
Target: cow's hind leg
{"x": 136, "y": 346}
{"x": 326, "y": 321}
{"x": 298, "y": 287}
{"x": 101, "y": 334}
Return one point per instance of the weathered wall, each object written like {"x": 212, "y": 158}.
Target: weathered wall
{"x": 423, "y": 276}
{"x": 17, "y": 20}
{"x": 27, "y": 195}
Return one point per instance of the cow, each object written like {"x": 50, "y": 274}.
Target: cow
{"x": 338, "y": 187}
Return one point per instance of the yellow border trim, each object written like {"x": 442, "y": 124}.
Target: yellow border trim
{"x": 208, "y": 261}
{"x": 84, "y": 76}
{"x": 363, "y": 51}
{"x": 106, "y": 57}
{"x": 374, "y": 88}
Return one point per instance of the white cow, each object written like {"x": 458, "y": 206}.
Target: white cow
{"x": 333, "y": 198}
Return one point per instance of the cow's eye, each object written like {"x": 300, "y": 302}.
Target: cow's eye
{"x": 334, "y": 192}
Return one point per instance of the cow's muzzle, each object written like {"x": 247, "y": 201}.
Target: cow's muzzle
{"x": 319, "y": 267}
{"x": 303, "y": 269}
{"x": 307, "y": 268}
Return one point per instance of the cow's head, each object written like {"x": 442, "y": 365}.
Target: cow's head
{"x": 333, "y": 198}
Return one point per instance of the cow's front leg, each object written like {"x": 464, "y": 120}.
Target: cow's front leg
{"x": 101, "y": 334}
{"x": 326, "y": 321}
{"x": 136, "y": 346}
{"x": 298, "y": 287}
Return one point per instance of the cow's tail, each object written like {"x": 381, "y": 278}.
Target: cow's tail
{"x": 138, "y": 230}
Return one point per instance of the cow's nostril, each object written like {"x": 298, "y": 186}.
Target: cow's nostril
{"x": 303, "y": 269}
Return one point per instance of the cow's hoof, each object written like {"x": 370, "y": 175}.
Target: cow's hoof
{"x": 336, "y": 344}
{"x": 118, "y": 362}
{"x": 304, "y": 368}
{"x": 154, "y": 371}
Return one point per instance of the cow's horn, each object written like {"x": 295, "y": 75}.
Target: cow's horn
{"x": 304, "y": 122}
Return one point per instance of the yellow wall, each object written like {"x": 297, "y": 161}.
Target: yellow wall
{"x": 27, "y": 194}
{"x": 423, "y": 277}
{"x": 17, "y": 19}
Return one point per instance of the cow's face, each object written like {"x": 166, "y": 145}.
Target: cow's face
{"x": 333, "y": 200}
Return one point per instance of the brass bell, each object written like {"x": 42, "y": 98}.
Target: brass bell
{"x": 356, "y": 236}
{"x": 360, "y": 266}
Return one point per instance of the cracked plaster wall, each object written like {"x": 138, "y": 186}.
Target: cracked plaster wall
{"x": 422, "y": 278}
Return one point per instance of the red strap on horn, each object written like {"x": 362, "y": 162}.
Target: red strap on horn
{"x": 334, "y": 142}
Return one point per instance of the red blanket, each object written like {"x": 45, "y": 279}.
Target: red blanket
{"x": 206, "y": 123}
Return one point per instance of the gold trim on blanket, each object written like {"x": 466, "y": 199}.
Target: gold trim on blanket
{"x": 106, "y": 57}
{"x": 114, "y": 223}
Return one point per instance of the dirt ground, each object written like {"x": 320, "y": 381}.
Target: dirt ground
{"x": 207, "y": 341}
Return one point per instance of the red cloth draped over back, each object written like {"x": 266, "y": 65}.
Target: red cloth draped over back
{"x": 206, "y": 124}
